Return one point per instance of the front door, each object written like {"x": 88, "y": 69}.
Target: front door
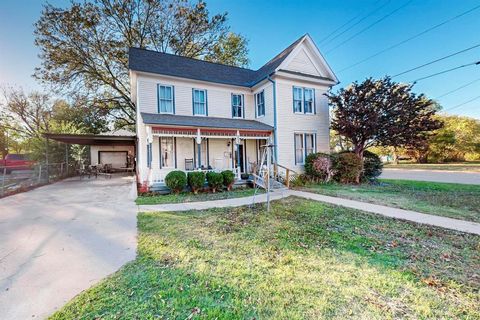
{"x": 240, "y": 161}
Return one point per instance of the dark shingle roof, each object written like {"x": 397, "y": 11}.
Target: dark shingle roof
{"x": 203, "y": 122}
{"x": 178, "y": 66}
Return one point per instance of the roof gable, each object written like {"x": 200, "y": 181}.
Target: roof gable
{"x": 307, "y": 59}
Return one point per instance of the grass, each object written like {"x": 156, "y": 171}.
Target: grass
{"x": 190, "y": 197}
{"x": 302, "y": 260}
{"x": 459, "y": 201}
{"x": 455, "y": 166}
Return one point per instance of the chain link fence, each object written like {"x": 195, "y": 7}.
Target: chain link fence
{"x": 21, "y": 178}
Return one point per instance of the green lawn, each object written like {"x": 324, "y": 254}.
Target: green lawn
{"x": 303, "y": 260}
{"x": 202, "y": 196}
{"x": 458, "y": 201}
{"x": 456, "y": 166}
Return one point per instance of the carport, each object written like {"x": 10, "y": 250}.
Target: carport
{"x": 117, "y": 147}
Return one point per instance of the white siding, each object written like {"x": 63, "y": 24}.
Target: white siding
{"x": 302, "y": 63}
{"x": 289, "y": 122}
{"x": 218, "y": 96}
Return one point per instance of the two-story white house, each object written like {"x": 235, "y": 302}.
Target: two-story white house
{"x": 193, "y": 114}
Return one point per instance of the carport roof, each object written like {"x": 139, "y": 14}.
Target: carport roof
{"x": 92, "y": 139}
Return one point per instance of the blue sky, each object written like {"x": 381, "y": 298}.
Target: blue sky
{"x": 270, "y": 26}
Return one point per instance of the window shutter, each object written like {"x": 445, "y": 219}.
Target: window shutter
{"x": 206, "y": 103}
{"x": 175, "y": 150}
{"x": 173, "y": 99}
{"x": 193, "y": 101}
{"x": 314, "y": 104}
{"x": 244, "y": 108}
{"x": 158, "y": 98}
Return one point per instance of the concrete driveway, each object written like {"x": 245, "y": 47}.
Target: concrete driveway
{"x": 58, "y": 240}
{"x": 432, "y": 175}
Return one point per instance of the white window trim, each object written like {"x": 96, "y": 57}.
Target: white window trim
{"x": 193, "y": 103}
{"x": 302, "y": 108}
{"x": 158, "y": 98}
{"x": 303, "y": 134}
{"x": 313, "y": 101}
{"x": 256, "y": 105}
{"x": 242, "y": 105}
{"x": 161, "y": 154}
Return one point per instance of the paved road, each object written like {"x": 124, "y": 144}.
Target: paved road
{"x": 58, "y": 240}
{"x": 432, "y": 175}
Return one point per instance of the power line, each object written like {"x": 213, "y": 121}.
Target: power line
{"x": 456, "y": 89}
{"x": 437, "y": 60}
{"x": 370, "y": 26}
{"x": 445, "y": 71}
{"x": 463, "y": 103}
{"x": 410, "y": 38}
{"x": 352, "y": 26}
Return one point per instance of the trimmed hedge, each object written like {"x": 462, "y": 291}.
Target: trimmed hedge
{"x": 215, "y": 181}
{"x": 196, "y": 180}
{"x": 176, "y": 181}
{"x": 347, "y": 167}
{"x": 372, "y": 166}
{"x": 228, "y": 179}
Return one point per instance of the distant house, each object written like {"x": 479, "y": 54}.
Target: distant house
{"x": 193, "y": 114}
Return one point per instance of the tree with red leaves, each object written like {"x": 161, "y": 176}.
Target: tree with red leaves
{"x": 383, "y": 113}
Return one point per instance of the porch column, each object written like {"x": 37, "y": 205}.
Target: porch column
{"x": 237, "y": 142}
{"x": 198, "y": 140}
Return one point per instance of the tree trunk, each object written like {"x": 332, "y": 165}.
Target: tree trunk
{"x": 359, "y": 152}
{"x": 395, "y": 156}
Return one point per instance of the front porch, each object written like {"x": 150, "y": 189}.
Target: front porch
{"x": 189, "y": 148}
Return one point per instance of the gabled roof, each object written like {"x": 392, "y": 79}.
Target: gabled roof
{"x": 203, "y": 122}
{"x": 173, "y": 65}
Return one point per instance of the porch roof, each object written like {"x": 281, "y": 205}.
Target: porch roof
{"x": 204, "y": 122}
{"x": 93, "y": 139}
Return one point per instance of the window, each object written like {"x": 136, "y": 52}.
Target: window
{"x": 237, "y": 106}
{"x": 299, "y": 150}
{"x": 260, "y": 104}
{"x": 203, "y": 154}
{"x": 165, "y": 99}
{"x": 309, "y": 144}
{"x": 308, "y": 100}
{"x": 304, "y": 145}
{"x": 297, "y": 99}
{"x": 200, "y": 102}
{"x": 303, "y": 100}
{"x": 167, "y": 152}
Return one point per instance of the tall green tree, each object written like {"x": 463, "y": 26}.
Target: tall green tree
{"x": 458, "y": 140}
{"x": 84, "y": 47}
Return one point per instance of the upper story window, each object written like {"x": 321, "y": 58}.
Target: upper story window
{"x": 238, "y": 110}
{"x": 165, "y": 99}
{"x": 260, "y": 104}
{"x": 200, "y": 102}
{"x": 303, "y": 100}
{"x": 297, "y": 99}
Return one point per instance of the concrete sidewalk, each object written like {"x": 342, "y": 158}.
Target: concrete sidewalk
{"x": 433, "y": 220}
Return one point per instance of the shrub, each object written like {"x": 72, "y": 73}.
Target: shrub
{"x": 372, "y": 166}
{"x": 347, "y": 167}
{"x": 196, "y": 180}
{"x": 215, "y": 181}
{"x": 318, "y": 166}
{"x": 228, "y": 179}
{"x": 176, "y": 181}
